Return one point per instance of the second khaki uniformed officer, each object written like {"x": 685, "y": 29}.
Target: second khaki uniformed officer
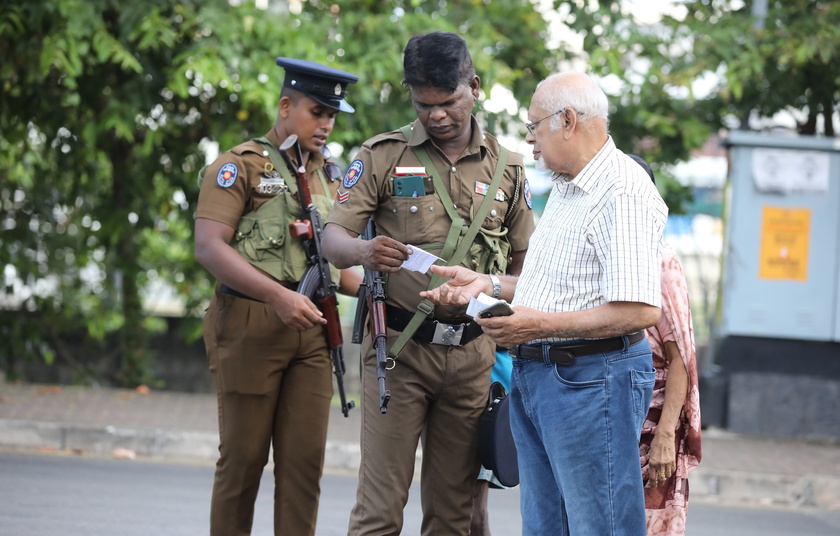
{"x": 440, "y": 379}
{"x": 265, "y": 342}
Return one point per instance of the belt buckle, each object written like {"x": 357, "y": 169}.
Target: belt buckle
{"x": 448, "y": 334}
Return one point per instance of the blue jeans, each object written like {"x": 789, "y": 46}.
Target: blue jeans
{"x": 576, "y": 429}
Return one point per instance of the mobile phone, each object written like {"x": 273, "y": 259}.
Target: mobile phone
{"x": 409, "y": 186}
{"x": 500, "y": 308}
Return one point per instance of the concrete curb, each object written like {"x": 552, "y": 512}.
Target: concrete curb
{"x": 341, "y": 457}
{"x": 731, "y": 487}
{"x": 157, "y": 443}
{"x": 741, "y": 487}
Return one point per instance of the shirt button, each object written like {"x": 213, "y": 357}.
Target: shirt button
{"x": 453, "y": 169}
{"x": 413, "y": 209}
{"x": 493, "y": 212}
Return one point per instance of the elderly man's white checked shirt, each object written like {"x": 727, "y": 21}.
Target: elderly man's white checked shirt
{"x": 598, "y": 239}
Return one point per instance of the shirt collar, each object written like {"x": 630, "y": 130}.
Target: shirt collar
{"x": 315, "y": 159}
{"x": 419, "y": 136}
{"x": 591, "y": 173}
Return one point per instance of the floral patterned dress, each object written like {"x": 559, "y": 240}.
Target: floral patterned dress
{"x": 667, "y": 503}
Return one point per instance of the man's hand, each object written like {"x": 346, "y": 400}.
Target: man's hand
{"x": 297, "y": 311}
{"x": 344, "y": 249}
{"x": 458, "y": 290}
{"x": 524, "y": 325}
{"x": 384, "y": 254}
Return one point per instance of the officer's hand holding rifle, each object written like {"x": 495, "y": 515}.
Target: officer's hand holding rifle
{"x": 372, "y": 301}
{"x": 317, "y": 283}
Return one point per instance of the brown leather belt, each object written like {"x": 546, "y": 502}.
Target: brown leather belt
{"x": 433, "y": 331}
{"x": 565, "y": 354}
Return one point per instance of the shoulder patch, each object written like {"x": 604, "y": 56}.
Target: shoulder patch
{"x": 526, "y": 193}
{"x": 354, "y": 173}
{"x": 227, "y": 175}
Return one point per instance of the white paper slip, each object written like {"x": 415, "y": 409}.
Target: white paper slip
{"x": 479, "y": 304}
{"x": 419, "y": 260}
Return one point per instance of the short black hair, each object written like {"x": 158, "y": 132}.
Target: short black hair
{"x": 294, "y": 94}
{"x": 437, "y": 59}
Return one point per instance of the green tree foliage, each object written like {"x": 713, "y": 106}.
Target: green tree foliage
{"x": 712, "y": 64}
{"x": 104, "y": 107}
{"x": 709, "y": 65}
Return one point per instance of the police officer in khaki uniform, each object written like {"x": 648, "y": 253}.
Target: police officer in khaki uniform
{"x": 439, "y": 381}
{"x": 265, "y": 342}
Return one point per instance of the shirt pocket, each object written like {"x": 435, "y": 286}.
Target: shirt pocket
{"x": 414, "y": 218}
{"x": 495, "y": 216}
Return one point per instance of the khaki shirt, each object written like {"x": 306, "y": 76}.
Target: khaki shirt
{"x": 232, "y": 187}
{"x": 367, "y": 190}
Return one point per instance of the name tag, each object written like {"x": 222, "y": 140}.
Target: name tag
{"x": 409, "y": 170}
{"x": 272, "y": 185}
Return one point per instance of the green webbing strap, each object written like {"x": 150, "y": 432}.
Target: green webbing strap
{"x": 279, "y": 163}
{"x": 323, "y": 182}
{"x": 426, "y": 307}
{"x": 467, "y": 241}
{"x": 440, "y": 188}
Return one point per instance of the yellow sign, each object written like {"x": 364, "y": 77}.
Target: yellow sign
{"x": 784, "y": 243}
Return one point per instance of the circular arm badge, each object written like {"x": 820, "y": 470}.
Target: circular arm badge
{"x": 526, "y": 190}
{"x": 227, "y": 175}
{"x": 354, "y": 173}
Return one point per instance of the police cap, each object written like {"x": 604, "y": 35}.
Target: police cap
{"x": 323, "y": 84}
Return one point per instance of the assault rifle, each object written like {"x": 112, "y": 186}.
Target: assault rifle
{"x": 317, "y": 284}
{"x": 372, "y": 300}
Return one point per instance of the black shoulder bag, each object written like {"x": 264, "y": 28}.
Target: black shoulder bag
{"x": 496, "y": 449}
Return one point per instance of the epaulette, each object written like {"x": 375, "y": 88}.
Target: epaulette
{"x": 249, "y": 146}
{"x": 394, "y": 135}
{"x": 515, "y": 159}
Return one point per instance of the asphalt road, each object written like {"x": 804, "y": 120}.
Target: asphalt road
{"x": 47, "y": 494}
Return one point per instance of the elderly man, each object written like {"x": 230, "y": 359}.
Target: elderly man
{"x": 582, "y": 370}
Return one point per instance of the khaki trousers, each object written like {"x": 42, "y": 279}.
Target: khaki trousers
{"x": 437, "y": 394}
{"x": 274, "y": 387}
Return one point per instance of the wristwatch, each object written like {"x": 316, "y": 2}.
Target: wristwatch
{"x": 497, "y": 286}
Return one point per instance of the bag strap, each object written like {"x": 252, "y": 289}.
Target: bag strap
{"x": 497, "y": 392}
{"x": 425, "y": 308}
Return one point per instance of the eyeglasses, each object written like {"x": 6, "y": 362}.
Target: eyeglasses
{"x": 533, "y": 126}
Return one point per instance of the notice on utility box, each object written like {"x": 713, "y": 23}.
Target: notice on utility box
{"x": 784, "y": 243}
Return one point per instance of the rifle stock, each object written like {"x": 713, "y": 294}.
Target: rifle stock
{"x": 317, "y": 283}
